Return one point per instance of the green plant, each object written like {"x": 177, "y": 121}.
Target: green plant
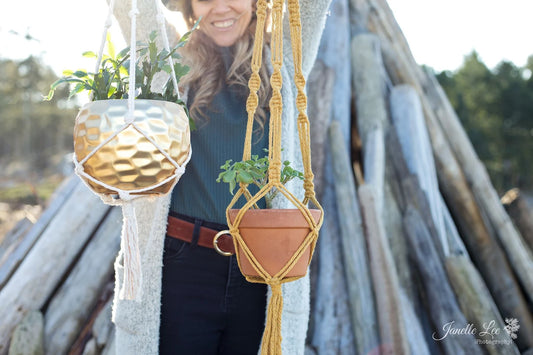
{"x": 112, "y": 79}
{"x": 255, "y": 171}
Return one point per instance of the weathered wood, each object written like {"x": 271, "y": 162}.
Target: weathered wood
{"x": 90, "y": 348}
{"x": 520, "y": 213}
{"x": 332, "y": 332}
{"x": 442, "y": 305}
{"x": 330, "y": 329}
{"x": 49, "y": 259}
{"x": 478, "y": 306}
{"x": 28, "y": 338}
{"x": 13, "y": 237}
{"x": 409, "y": 124}
{"x": 393, "y": 223}
{"x": 320, "y": 94}
{"x": 11, "y": 260}
{"x": 103, "y": 326}
{"x": 320, "y": 97}
{"x": 520, "y": 257}
{"x": 97, "y": 322}
{"x": 71, "y": 305}
{"x": 415, "y": 338}
{"x": 386, "y": 286}
{"x": 374, "y": 164}
{"x": 369, "y": 87}
{"x": 354, "y": 251}
{"x": 368, "y": 84}
{"x": 484, "y": 249}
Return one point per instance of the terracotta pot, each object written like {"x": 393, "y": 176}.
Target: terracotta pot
{"x": 130, "y": 161}
{"x": 273, "y": 236}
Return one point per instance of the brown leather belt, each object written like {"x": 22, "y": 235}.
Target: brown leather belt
{"x": 209, "y": 238}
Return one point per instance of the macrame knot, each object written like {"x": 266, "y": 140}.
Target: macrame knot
{"x": 276, "y": 101}
{"x": 301, "y": 101}
{"x": 274, "y": 174}
{"x": 78, "y": 169}
{"x": 276, "y": 80}
{"x": 254, "y": 82}
{"x": 261, "y": 8}
{"x": 309, "y": 186}
{"x": 180, "y": 170}
{"x": 251, "y": 102}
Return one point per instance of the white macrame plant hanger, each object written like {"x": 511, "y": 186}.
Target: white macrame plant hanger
{"x": 132, "y": 285}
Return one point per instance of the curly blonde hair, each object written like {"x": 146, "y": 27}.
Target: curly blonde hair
{"x": 207, "y": 70}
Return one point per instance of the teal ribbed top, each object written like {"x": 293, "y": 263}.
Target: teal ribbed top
{"x": 197, "y": 194}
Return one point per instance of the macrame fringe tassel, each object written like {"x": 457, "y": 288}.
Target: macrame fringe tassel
{"x": 131, "y": 288}
{"x": 272, "y": 335}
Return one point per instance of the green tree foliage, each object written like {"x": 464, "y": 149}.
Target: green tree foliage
{"x": 496, "y": 110}
{"x": 34, "y": 134}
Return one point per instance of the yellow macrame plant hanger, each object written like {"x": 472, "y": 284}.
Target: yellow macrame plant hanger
{"x": 271, "y": 343}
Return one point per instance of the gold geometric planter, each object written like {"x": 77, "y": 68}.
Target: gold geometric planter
{"x": 130, "y": 161}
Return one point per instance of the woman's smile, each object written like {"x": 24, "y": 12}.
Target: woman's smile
{"x": 224, "y": 21}
{"x": 223, "y": 24}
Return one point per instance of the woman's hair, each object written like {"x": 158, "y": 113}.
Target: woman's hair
{"x": 207, "y": 70}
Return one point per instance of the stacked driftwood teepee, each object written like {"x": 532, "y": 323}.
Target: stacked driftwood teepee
{"x": 417, "y": 254}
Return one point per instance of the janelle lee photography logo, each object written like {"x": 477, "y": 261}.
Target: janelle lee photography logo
{"x": 489, "y": 332}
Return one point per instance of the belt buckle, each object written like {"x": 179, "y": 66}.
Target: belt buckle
{"x": 215, "y": 243}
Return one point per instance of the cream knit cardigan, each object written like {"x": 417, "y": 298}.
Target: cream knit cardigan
{"x": 137, "y": 323}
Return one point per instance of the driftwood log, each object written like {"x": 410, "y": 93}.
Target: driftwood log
{"x": 409, "y": 124}
{"x": 331, "y": 330}
{"x": 19, "y": 247}
{"x": 369, "y": 90}
{"x": 520, "y": 257}
{"x": 443, "y": 306}
{"x": 485, "y": 250}
{"x": 70, "y": 306}
{"x": 28, "y": 336}
{"x": 354, "y": 249}
{"x": 37, "y": 277}
{"x": 478, "y": 306}
{"x": 385, "y": 280}
{"x": 520, "y": 213}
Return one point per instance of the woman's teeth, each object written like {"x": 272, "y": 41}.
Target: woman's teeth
{"x": 223, "y": 24}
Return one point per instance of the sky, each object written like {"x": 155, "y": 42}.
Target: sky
{"x": 440, "y": 33}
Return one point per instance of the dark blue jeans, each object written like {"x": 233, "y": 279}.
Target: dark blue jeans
{"x": 208, "y": 307}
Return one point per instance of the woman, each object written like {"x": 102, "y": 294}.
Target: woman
{"x": 195, "y": 301}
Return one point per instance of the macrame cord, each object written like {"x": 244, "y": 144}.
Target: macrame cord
{"x": 271, "y": 343}
{"x": 132, "y": 285}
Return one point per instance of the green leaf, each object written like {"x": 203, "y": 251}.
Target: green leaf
{"x": 180, "y": 70}
{"x": 167, "y": 68}
{"x": 123, "y": 53}
{"x": 153, "y": 35}
{"x": 153, "y": 51}
{"x": 110, "y": 46}
{"x": 80, "y": 73}
{"x": 229, "y": 176}
{"x": 244, "y": 177}
{"x": 77, "y": 89}
{"x": 90, "y": 54}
